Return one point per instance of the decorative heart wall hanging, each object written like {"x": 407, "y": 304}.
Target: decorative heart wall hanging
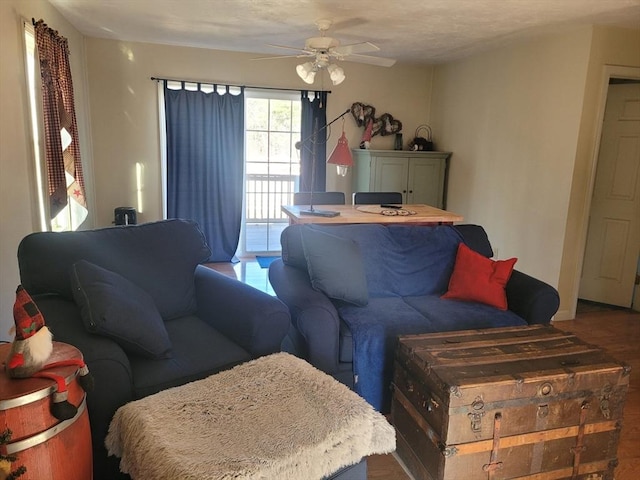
{"x": 385, "y": 125}
{"x": 362, "y": 113}
{"x": 390, "y": 125}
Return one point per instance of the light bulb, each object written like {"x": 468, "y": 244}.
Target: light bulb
{"x": 336, "y": 74}
{"x": 306, "y": 72}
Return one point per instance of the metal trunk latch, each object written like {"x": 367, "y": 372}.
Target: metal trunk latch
{"x": 476, "y": 414}
{"x": 543, "y": 411}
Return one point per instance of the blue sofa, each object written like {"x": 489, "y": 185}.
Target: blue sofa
{"x": 349, "y": 330}
{"x": 144, "y": 313}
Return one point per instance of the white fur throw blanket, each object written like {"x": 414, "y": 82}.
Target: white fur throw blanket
{"x": 276, "y": 417}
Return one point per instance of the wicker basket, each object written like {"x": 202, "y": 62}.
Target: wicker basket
{"x": 422, "y": 140}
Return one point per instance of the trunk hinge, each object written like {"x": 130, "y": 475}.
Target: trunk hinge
{"x": 604, "y": 401}
{"x": 493, "y": 464}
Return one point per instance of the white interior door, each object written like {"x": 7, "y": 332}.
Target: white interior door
{"x": 613, "y": 239}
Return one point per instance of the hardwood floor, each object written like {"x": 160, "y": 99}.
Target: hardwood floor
{"x": 617, "y": 331}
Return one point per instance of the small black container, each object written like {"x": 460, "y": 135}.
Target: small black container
{"x": 398, "y": 142}
{"x": 125, "y": 216}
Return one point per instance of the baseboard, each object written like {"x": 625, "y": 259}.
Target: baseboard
{"x": 563, "y": 315}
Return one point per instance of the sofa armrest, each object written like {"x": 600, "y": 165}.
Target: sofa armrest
{"x": 107, "y": 362}
{"x": 313, "y": 315}
{"x": 532, "y": 299}
{"x": 253, "y": 319}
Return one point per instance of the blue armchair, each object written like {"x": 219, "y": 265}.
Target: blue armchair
{"x": 144, "y": 312}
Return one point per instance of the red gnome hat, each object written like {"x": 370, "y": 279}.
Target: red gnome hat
{"x": 28, "y": 318}
{"x": 33, "y": 344}
{"x": 366, "y": 136}
{"x": 32, "y": 348}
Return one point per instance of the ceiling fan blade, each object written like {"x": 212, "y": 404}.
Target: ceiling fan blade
{"x": 363, "y": 47}
{"x": 282, "y": 56}
{"x": 378, "y": 61}
{"x": 297, "y": 49}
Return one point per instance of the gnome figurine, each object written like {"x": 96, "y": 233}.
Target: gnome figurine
{"x": 33, "y": 344}
{"x": 365, "y": 143}
{"x": 32, "y": 348}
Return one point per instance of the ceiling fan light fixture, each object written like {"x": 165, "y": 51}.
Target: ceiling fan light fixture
{"x": 336, "y": 74}
{"x": 307, "y": 72}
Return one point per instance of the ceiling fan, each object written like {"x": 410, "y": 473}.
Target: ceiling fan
{"x": 321, "y": 50}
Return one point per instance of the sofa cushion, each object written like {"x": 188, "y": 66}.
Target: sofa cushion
{"x": 159, "y": 257}
{"x": 113, "y": 306}
{"x": 398, "y": 260}
{"x": 375, "y": 329}
{"x": 199, "y": 350}
{"x": 444, "y": 316}
{"x": 335, "y": 266}
{"x": 477, "y": 278}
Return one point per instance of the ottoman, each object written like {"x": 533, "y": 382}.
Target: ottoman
{"x": 274, "y": 417}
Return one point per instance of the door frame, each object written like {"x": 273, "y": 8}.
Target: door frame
{"x": 609, "y": 72}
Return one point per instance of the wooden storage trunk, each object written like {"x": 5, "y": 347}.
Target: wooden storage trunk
{"x": 516, "y": 402}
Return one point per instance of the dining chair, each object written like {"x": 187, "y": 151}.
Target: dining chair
{"x": 319, "y": 198}
{"x": 371, "y": 198}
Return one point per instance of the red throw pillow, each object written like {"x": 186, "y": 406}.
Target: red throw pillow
{"x": 477, "y": 278}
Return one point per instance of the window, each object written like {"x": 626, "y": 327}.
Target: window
{"x": 272, "y": 166}
{"x": 33, "y": 91}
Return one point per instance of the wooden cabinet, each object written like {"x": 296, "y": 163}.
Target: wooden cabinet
{"x": 419, "y": 176}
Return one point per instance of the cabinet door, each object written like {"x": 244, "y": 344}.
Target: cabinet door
{"x": 390, "y": 175}
{"x": 425, "y": 181}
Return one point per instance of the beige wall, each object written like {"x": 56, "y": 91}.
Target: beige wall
{"x": 511, "y": 117}
{"x": 17, "y": 200}
{"x": 522, "y": 123}
{"x": 124, "y": 107}
{"x": 610, "y": 47}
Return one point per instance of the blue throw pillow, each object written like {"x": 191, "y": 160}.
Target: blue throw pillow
{"x": 335, "y": 266}
{"x": 112, "y": 306}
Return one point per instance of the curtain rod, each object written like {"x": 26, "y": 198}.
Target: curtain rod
{"x": 156, "y": 79}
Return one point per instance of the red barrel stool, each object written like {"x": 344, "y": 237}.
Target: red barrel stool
{"x": 47, "y": 447}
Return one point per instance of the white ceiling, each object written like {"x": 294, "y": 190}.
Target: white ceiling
{"x": 416, "y": 31}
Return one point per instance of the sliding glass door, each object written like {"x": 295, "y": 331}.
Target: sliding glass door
{"x": 272, "y": 166}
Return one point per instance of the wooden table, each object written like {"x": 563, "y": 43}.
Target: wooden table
{"x": 424, "y": 215}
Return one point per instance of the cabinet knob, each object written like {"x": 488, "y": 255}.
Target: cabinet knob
{"x": 404, "y": 191}
{"x": 410, "y": 191}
